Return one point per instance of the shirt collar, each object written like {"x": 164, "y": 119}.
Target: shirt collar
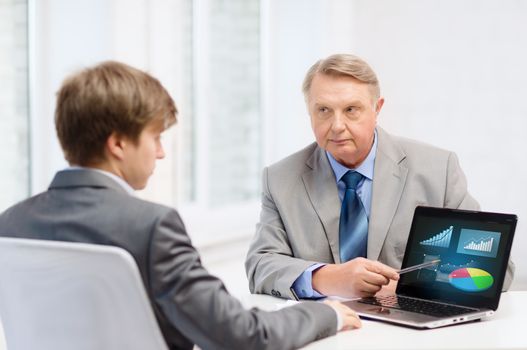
{"x": 365, "y": 168}
{"x": 114, "y": 177}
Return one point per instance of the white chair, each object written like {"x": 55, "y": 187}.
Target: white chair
{"x": 60, "y": 295}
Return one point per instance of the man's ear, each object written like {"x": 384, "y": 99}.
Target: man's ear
{"x": 115, "y": 145}
{"x": 379, "y": 104}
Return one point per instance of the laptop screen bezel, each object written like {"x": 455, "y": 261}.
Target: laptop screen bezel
{"x": 465, "y": 300}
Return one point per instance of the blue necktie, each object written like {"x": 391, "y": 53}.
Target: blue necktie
{"x": 353, "y": 228}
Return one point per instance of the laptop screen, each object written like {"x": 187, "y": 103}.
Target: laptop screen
{"x": 473, "y": 248}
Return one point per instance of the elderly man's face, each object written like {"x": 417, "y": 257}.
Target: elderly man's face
{"x": 343, "y": 117}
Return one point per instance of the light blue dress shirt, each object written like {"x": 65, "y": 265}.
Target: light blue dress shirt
{"x": 303, "y": 284}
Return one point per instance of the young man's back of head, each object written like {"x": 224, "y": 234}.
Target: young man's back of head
{"x": 109, "y": 98}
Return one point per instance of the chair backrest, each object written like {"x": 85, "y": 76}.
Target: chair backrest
{"x": 61, "y": 295}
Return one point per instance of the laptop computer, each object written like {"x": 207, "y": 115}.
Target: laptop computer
{"x": 473, "y": 249}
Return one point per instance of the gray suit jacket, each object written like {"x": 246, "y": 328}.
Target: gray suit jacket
{"x": 299, "y": 220}
{"x": 191, "y": 306}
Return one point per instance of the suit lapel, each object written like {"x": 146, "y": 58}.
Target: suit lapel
{"x": 389, "y": 178}
{"x": 321, "y": 188}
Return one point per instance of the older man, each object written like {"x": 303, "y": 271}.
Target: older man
{"x": 336, "y": 215}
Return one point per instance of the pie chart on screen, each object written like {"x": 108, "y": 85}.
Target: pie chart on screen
{"x": 470, "y": 279}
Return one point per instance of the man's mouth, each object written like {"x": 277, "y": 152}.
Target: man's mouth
{"x": 341, "y": 141}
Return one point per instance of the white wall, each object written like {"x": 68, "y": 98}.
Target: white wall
{"x": 453, "y": 74}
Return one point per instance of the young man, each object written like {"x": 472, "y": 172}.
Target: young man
{"x": 109, "y": 121}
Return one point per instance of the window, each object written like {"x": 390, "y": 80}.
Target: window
{"x": 222, "y": 142}
{"x": 14, "y": 153}
{"x": 230, "y": 99}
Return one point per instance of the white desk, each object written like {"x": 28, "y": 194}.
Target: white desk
{"x": 507, "y": 329}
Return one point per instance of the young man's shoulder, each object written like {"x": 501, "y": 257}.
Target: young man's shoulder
{"x": 133, "y": 208}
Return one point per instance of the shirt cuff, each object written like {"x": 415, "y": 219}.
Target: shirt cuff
{"x": 303, "y": 284}
{"x": 340, "y": 322}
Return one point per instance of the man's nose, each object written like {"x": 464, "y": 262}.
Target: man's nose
{"x": 160, "y": 152}
{"x": 338, "y": 122}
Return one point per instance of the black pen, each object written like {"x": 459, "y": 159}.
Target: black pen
{"x": 419, "y": 266}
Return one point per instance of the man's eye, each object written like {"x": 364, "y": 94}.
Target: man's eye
{"x": 323, "y": 109}
{"x": 351, "y": 109}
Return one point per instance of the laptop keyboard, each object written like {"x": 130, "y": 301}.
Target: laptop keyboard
{"x": 416, "y": 305}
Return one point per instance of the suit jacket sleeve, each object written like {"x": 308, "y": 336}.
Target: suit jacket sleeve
{"x": 270, "y": 264}
{"x": 199, "y": 306}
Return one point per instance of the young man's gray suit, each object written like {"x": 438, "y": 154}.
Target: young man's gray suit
{"x": 299, "y": 220}
{"x": 190, "y": 304}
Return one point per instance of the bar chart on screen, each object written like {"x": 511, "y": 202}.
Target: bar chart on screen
{"x": 442, "y": 239}
{"x": 478, "y": 242}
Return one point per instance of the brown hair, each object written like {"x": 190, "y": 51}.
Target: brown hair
{"x": 347, "y": 65}
{"x": 109, "y": 97}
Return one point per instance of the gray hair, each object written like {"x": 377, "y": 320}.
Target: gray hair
{"x": 346, "y": 65}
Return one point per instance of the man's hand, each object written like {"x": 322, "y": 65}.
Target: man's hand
{"x": 348, "y": 317}
{"x": 356, "y": 278}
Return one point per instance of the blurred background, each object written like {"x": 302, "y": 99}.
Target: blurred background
{"x": 452, "y": 72}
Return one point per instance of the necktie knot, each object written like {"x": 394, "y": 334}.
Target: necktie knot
{"x": 352, "y": 179}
